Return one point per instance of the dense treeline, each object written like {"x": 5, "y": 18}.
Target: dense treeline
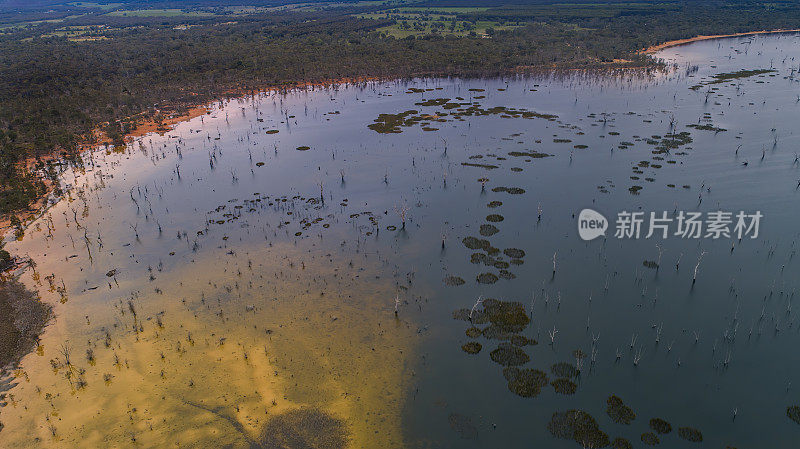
{"x": 658, "y": 22}
{"x": 53, "y": 91}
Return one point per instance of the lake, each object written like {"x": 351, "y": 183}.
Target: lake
{"x": 398, "y": 264}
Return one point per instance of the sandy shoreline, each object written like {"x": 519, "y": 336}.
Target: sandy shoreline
{"x": 675, "y": 43}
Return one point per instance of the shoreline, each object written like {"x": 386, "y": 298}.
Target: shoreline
{"x": 191, "y": 111}
{"x": 195, "y": 110}
{"x": 677, "y": 42}
{"x": 41, "y": 205}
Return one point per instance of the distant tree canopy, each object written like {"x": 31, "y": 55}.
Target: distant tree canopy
{"x": 54, "y": 90}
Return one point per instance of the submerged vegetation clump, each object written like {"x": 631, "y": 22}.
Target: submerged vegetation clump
{"x": 527, "y": 383}
{"x": 488, "y": 230}
{"x": 508, "y": 315}
{"x": 473, "y": 332}
{"x": 650, "y": 439}
{"x": 493, "y": 332}
{"x": 579, "y": 426}
{"x": 509, "y": 355}
{"x": 505, "y": 320}
{"x": 487, "y": 278}
{"x": 486, "y": 166}
{"x": 793, "y": 413}
{"x": 514, "y": 253}
{"x": 739, "y": 74}
{"x": 485, "y": 259}
{"x": 707, "y": 127}
{"x": 453, "y": 281}
{"x": 564, "y": 386}
{"x": 472, "y": 347}
{"x": 521, "y": 340}
{"x": 505, "y": 274}
{"x": 434, "y": 102}
{"x": 672, "y": 141}
{"x": 476, "y": 243}
{"x": 511, "y": 190}
{"x": 533, "y": 154}
{"x": 690, "y": 434}
{"x": 391, "y": 123}
{"x": 621, "y": 443}
{"x": 661, "y": 426}
{"x": 618, "y": 411}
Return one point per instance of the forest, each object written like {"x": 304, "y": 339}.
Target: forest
{"x": 67, "y": 69}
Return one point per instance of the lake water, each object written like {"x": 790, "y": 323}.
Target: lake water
{"x": 210, "y": 282}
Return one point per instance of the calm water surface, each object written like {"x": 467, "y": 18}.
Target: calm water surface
{"x": 212, "y": 280}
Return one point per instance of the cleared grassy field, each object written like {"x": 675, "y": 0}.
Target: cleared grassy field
{"x": 106, "y": 6}
{"x": 441, "y": 10}
{"x": 159, "y": 13}
{"x": 80, "y": 33}
{"x": 444, "y": 21}
{"x": 11, "y": 26}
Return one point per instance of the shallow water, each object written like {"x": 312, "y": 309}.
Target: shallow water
{"x": 244, "y": 290}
